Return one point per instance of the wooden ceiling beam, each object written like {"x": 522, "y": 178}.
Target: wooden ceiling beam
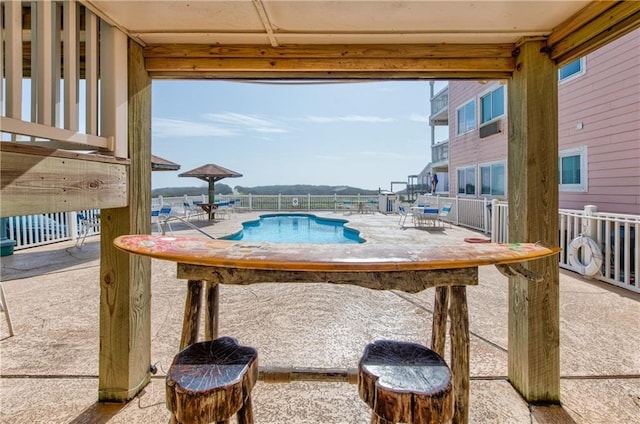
{"x": 332, "y": 75}
{"x": 329, "y": 65}
{"x": 482, "y": 61}
{"x": 330, "y": 51}
{"x": 577, "y": 37}
{"x": 583, "y": 17}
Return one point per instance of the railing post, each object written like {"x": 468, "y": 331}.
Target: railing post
{"x": 72, "y": 228}
{"x": 250, "y": 202}
{"x": 485, "y": 215}
{"x": 495, "y": 213}
{"x": 457, "y": 210}
{"x": 279, "y": 201}
{"x": 589, "y": 227}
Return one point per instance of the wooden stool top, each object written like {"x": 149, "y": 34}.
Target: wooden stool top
{"x": 209, "y": 381}
{"x": 405, "y": 382}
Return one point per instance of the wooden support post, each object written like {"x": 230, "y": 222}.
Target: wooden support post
{"x": 192, "y": 308}
{"x": 534, "y": 352}
{"x": 459, "y": 317}
{"x": 211, "y": 315}
{"x": 439, "y": 326}
{"x": 125, "y": 295}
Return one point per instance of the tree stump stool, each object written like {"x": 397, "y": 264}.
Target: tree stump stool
{"x": 210, "y": 381}
{"x": 405, "y": 383}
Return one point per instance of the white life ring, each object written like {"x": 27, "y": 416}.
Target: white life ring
{"x": 592, "y": 253}
{"x": 294, "y": 201}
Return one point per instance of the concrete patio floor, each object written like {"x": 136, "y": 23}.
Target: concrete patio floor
{"x": 48, "y": 369}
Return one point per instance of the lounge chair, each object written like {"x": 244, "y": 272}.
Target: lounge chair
{"x": 444, "y": 213}
{"x": 371, "y": 206}
{"x": 154, "y": 219}
{"x": 164, "y": 215}
{"x": 346, "y": 205}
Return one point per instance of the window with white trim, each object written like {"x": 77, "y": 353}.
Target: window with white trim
{"x": 572, "y": 169}
{"x": 467, "y": 180}
{"x": 492, "y": 179}
{"x": 466, "y": 115}
{"x": 492, "y": 105}
{"x": 571, "y": 70}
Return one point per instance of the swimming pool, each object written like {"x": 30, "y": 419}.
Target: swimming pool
{"x": 297, "y": 228}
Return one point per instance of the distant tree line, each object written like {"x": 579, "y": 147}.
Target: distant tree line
{"x": 190, "y": 191}
{"x": 299, "y": 189}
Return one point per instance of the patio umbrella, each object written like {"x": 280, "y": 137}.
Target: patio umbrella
{"x": 211, "y": 173}
{"x": 161, "y": 164}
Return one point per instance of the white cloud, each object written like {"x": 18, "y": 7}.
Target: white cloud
{"x": 419, "y": 118}
{"x": 346, "y": 118}
{"x": 246, "y": 122}
{"x": 165, "y": 128}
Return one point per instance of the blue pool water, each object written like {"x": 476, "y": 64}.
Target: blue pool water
{"x": 297, "y": 228}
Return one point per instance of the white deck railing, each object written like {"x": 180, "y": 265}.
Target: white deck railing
{"x": 616, "y": 235}
{"x": 37, "y": 230}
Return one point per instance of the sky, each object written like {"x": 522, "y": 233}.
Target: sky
{"x": 362, "y": 134}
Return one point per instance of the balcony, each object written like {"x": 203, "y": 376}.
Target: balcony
{"x": 440, "y": 108}
{"x": 440, "y": 154}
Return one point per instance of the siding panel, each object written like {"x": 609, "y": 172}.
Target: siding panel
{"x": 605, "y": 100}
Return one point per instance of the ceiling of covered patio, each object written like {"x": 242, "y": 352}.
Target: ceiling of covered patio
{"x": 358, "y": 39}
{"x": 279, "y": 22}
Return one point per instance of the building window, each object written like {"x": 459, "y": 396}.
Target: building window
{"x": 492, "y": 179}
{"x": 467, "y": 180}
{"x": 492, "y": 105}
{"x": 467, "y": 117}
{"x": 571, "y": 70}
{"x": 572, "y": 169}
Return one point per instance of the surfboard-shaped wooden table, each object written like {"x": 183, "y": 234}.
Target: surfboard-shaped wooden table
{"x": 406, "y": 267}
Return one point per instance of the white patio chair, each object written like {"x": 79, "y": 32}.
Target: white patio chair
{"x": 404, "y": 214}
{"x": 86, "y": 225}
{"x": 428, "y": 217}
{"x": 5, "y": 308}
{"x": 191, "y": 210}
{"x": 223, "y": 210}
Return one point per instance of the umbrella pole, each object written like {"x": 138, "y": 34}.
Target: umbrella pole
{"x": 211, "y": 191}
